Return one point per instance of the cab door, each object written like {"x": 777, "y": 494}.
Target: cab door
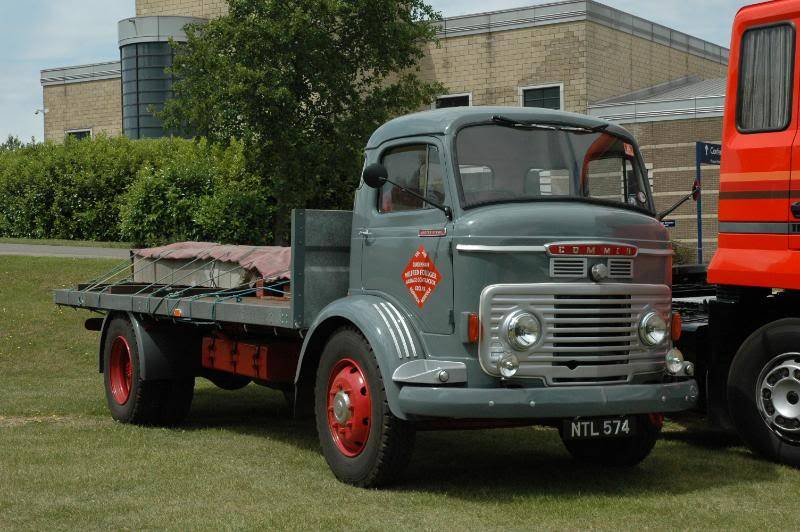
{"x": 406, "y": 247}
{"x": 760, "y": 155}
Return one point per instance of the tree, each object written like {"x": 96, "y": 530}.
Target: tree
{"x": 12, "y": 143}
{"x": 302, "y": 84}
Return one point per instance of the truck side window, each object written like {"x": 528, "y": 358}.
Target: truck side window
{"x": 765, "y": 79}
{"x": 417, "y": 168}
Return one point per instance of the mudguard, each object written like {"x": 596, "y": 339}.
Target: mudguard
{"x": 165, "y": 353}
{"x": 390, "y": 331}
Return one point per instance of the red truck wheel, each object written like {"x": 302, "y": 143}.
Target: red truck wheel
{"x": 764, "y": 391}
{"x": 131, "y": 399}
{"x": 363, "y": 442}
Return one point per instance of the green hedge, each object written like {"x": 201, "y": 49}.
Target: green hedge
{"x": 148, "y": 192}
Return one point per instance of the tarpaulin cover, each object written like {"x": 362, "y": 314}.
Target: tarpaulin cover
{"x": 272, "y": 262}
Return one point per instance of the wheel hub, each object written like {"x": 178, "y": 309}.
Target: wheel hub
{"x": 779, "y": 395}
{"x": 349, "y": 407}
{"x": 120, "y": 370}
{"x": 341, "y": 407}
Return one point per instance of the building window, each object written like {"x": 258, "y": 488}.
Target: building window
{"x": 146, "y": 86}
{"x": 453, "y": 100}
{"x": 547, "y": 97}
{"x": 79, "y": 134}
{"x": 765, "y": 79}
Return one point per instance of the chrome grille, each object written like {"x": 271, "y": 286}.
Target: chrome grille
{"x": 620, "y": 268}
{"x": 590, "y": 330}
{"x": 568, "y": 267}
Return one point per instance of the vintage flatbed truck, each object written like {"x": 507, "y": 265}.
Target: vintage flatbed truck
{"x": 501, "y": 266}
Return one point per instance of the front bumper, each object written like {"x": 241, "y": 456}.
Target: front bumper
{"x": 553, "y": 402}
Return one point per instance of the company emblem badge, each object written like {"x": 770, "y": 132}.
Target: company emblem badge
{"x": 591, "y": 250}
{"x": 432, "y": 233}
{"x": 421, "y": 277}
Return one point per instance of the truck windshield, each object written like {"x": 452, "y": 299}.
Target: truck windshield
{"x": 499, "y": 163}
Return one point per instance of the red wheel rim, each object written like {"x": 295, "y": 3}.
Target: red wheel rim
{"x": 120, "y": 370}
{"x": 349, "y": 407}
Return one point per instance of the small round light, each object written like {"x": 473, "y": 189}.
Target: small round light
{"x": 652, "y": 329}
{"x": 688, "y": 369}
{"x": 674, "y": 361}
{"x": 523, "y": 331}
{"x": 508, "y": 365}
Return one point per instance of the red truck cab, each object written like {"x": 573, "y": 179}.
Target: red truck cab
{"x": 759, "y": 196}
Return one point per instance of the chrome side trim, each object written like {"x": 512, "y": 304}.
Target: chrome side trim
{"x": 427, "y": 372}
{"x": 406, "y": 330}
{"x": 385, "y": 307}
{"x": 391, "y": 330}
{"x": 472, "y": 248}
{"x": 752, "y": 228}
{"x": 658, "y": 252}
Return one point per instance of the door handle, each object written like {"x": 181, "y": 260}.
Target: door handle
{"x": 796, "y": 209}
{"x": 366, "y": 233}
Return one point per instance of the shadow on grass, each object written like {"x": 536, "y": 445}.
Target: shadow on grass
{"x": 500, "y": 464}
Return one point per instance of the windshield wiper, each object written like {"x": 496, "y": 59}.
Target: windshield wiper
{"x": 510, "y": 122}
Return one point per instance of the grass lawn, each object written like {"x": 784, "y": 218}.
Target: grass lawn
{"x": 55, "y": 242}
{"x": 241, "y": 462}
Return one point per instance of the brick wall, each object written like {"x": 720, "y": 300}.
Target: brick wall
{"x": 493, "y": 66}
{"x": 183, "y": 8}
{"x": 669, "y": 147}
{"x": 619, "y": 63}
{"x": 95, "y": 105}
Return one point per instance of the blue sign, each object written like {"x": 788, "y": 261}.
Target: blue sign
{"x": 709, "y": 153}
{"x": 669, "y": 224}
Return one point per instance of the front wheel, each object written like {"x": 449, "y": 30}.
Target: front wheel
{"x": 626, "y": 451}
{"x": 764, "y": 391}
{"x": 363, "y": 442}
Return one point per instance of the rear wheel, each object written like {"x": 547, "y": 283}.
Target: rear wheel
{"x": 764, "y": 391}
{"x": 363, "y": 442}
{"x": 619, "y": 452}
{"x": 131, "y": 399}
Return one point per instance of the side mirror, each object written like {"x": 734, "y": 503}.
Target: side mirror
{"x": 696, "y": 191}
{"x": 375, "y": 175}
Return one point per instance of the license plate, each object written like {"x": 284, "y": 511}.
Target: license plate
{"x": 596, "y": 428}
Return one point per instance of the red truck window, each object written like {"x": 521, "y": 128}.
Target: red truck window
{"x": 765, "y": 79}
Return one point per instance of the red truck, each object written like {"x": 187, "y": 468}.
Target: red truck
{"x": 746, "y": 341}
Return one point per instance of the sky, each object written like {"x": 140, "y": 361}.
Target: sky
{"x": 38, "y": 34}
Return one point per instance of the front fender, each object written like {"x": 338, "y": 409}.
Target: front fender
{"x": 390, "y": 331}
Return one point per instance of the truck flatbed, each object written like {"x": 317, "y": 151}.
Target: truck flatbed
{"x": 319, "y": 275}
{"x": 247, "y": 310}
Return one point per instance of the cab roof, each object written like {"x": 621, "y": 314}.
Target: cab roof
{"x": 447, "y": 121}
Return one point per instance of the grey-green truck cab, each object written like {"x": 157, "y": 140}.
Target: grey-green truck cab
{"x": 502, "y": 265}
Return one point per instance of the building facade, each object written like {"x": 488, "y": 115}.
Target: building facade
{"x": 575, "y": 55}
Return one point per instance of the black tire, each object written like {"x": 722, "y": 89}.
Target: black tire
{"x": 227, "y": 381}
{"x": 161, "y": 402}
{"x": 759, "y": 351}
{"x": 390, "y": 441}
{"x": 617, "y": 452}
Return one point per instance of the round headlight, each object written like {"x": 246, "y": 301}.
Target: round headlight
{"x": 652, "y": 329}
{"x": 523, "y": 331}
{"x": 508, "y": 366}
{"x": 674, "y": 361}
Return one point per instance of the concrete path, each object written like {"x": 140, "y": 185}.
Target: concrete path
{"x": 36, "y": 250}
